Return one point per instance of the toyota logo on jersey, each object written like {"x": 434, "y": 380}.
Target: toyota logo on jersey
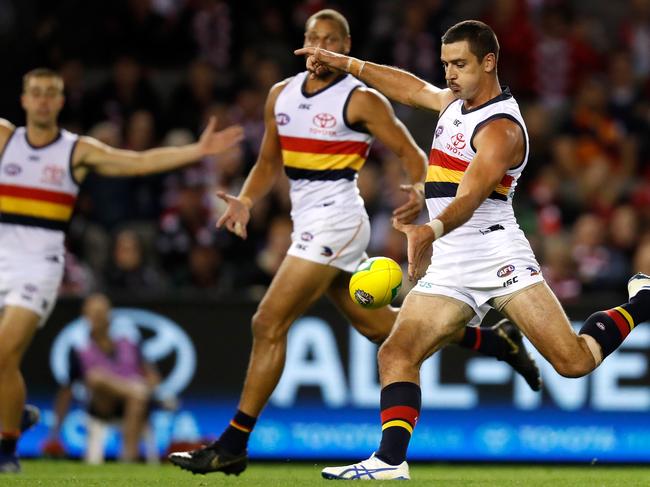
{"x": 324, "y": 120}
{"x": 458, "y": 141}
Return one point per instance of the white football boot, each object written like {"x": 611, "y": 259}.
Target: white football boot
{"x": 637, "y": 282}
{"x": 371, "y": 469}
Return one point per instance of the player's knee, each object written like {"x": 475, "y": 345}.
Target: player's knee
{"x": 392, "y": 353}
{"x": 267, "y": 328}
{"x": 571, "y": 367}
{"x": 9, "y": 358}
{"x": 375, "y": 335}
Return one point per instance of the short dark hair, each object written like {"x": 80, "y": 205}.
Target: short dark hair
{"x": 480, "y": 36}
{"x": 333, "y": 15}
{"x": 40, "y": 73}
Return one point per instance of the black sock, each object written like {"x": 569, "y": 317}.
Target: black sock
{"x": 486, "y": 341}
{"x": 609, "y": 328}
{"x": 638, "y": 307}
{"x": 235, "y": 437}
{"x": 400, "y": 409}
{"x": 8, "y": 444}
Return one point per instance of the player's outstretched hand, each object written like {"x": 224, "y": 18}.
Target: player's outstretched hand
{"x": 410, "y": 210}
{"x": 212, "y": 142}
{"x": 320, "y": 61}
{"x": 236, "y": 216}
{"x": 419, "y": 238}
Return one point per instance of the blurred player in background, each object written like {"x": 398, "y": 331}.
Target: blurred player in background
{"x": 41, "y": 168}
{"x": 481, "y": 257}
{"x": 319, "y": 130}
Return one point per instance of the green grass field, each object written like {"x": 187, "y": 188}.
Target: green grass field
{"x": 70, "y": 474}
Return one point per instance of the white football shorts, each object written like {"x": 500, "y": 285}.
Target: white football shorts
{"x": 477, "y": 271}
{"x": 341, "y": 244}
{"x": 30, "y": 281}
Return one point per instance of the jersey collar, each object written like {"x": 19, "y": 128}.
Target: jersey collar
{"x": 318, "y": 92}
{"x": 504, "y": 95}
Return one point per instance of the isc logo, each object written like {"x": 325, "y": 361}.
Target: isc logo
{"x": 510, "y": 281}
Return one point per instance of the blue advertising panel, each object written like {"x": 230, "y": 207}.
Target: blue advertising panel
{"x": 326, "y": 405}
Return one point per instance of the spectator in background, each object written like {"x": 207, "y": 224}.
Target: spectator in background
{"x": 142, "y": 195}
{"x": 625, "y": 95}
{"x": 511, "y": 22}
{"x": 119, "y": 382}
{"x": 205, "y": 271}
{"x": 635, "y": 35}
{"x": 594, "y": 151}
{"x": 269, "y": 258}
{"x": 197, "y": 91}
{"x": 624, "y": 230}
{"x": 128, "y": 90}
{"x": 559, "y": 269}
{"x": 642, "y": 256}
{"x": 73, "y": 117}
{"x": 560, "y": 58}
{"x": 599, "y": 266}
{"x": 128, "y": 269}
{"x": 212, "y": 30}
{"x": 183, "y": 227}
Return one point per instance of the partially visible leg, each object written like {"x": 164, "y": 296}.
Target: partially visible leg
{"x": 374, "y": 324}
{"x": 135, "y": 417}
{"x": 17, "y": 328}
{"x": 417, "y": 334}
{"x": 297, "y": 284}
{"x": 604, "y": 331}
{"x": 539, "y": 315}
{"x": 106, "y": 389}
{"x": 503, "y": 341}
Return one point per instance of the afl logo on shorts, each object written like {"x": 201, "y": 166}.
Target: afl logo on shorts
{"x": 506, "y": 270}
{"x": 324, "y": 120}
{"x": 13, "y": 169}
{"x": 282, "y": 119}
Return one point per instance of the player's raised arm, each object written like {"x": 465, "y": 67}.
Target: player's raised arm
{"x": 370, "y": 108}
{"x": 109, "y": 161}
{"x": 262, "y": 176}
{"x": 397, "y": 84}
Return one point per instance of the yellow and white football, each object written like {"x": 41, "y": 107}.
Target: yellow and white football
{"x": 376, "y": 282}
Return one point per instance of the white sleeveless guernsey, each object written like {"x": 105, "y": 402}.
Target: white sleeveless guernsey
{"x": 489, "y": 255}
{"x": 322, "y": 153}
{"x": 37, "y": 192}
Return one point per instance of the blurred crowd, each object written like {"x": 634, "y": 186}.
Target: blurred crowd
{"x": 141, "y": 73}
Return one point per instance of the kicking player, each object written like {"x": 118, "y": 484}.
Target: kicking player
{"x": 41, "y": 168}
{"x": 480, "y": 147}
{"x": 318, "y": 130}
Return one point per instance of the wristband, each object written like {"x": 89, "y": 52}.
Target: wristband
{"x": 419, "y": 187}
{"x": 437, "y": 227}
{"x": 363, "y": 65}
